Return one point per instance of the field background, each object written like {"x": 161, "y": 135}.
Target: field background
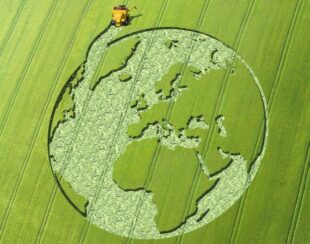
{"x": 42, "y": 42}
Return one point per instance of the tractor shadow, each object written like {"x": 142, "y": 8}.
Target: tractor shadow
{"x": 132, "y": 17}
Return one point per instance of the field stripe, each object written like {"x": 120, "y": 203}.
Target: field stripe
{"x": 82, "y": 239}
{"x": 16, "y": 18}
{"x": 222, "y": 91}
{"x": 17, "y": 184}
{"x": 226, "y": 77}
{"x": 59, "y": 74}
{"x": 240, "y": 217}
{"x": 158, "y": 21}
{"x": 54, "y": 191}
{"x": 51, "y": 201}
{"x": 84, "y": 234}
{"x": 25, "y": 70}
{"x": 299, "y": 199}
{"x": 170, "y": 108}
{"x": 199, "y": 23}
{"x": 242, "y": 201}
{"x": 271, "y": 99}
{"x": 284, "y": 52}
{"x": 171, "y": 104}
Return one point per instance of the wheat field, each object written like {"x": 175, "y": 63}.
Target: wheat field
{"x": 42, "y": 43}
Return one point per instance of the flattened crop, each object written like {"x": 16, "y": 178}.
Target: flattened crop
{"x": 152, "y": 124}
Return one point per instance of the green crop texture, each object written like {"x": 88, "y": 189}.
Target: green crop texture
{"x": 195, "y": 133}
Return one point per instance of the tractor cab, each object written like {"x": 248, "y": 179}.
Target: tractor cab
{"x": 120, "y": 15}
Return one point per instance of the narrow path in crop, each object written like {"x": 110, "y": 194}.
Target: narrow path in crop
{"x": 50, "y": 203}
{"x": 16, "y": 186}
{"x": 218, "y": 104}
{"x": 85, "y": 105}
{"x": 96, "y": 77}
{"x": 20, "y": 80}
{"x": 170, "y": 109}
{"x": 300, "y": 197}
{"x": 43, "y": 113}
{"x": 12, "y": 27}
{"x": 54, "y": 191}
{"x": 292, "y": 26}
{"x": 86, "y": 229}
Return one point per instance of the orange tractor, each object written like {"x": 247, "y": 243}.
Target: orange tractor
{"x": 120, "y": 15}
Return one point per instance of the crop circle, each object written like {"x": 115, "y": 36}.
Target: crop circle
{"x": 179, "y": 98}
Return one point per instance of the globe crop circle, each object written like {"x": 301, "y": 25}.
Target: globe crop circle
{"x": 157, "y": 132}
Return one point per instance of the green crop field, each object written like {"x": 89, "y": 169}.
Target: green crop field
{"x": 189, "y": 125}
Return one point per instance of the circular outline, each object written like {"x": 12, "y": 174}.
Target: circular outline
{"x": 254, "y": 164}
